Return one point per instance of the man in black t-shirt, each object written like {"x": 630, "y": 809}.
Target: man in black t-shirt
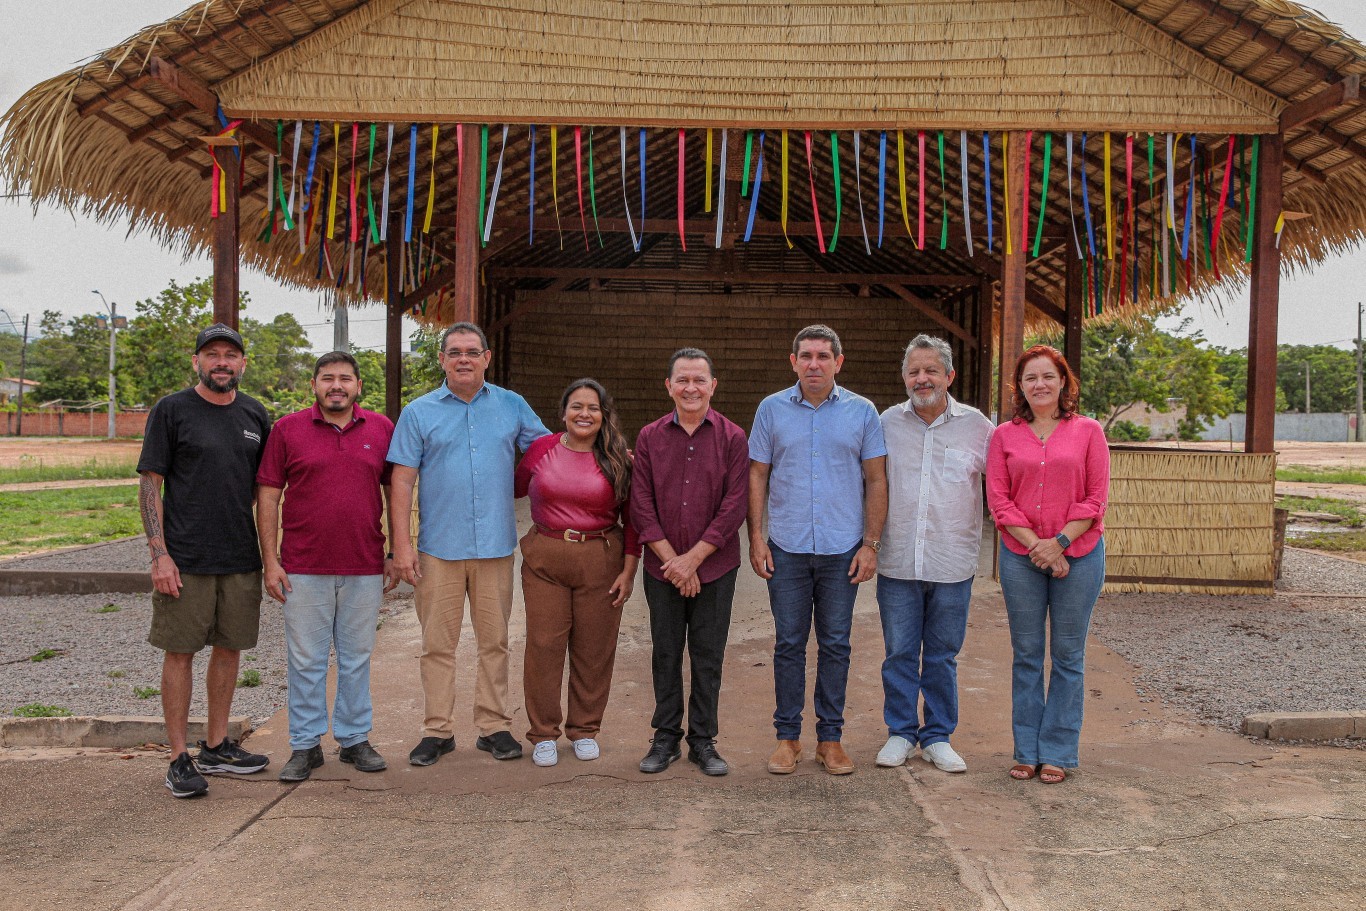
{"x": 199, "y": 458}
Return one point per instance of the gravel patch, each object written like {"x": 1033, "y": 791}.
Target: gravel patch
{"x": 1303, "y": 571}
{"x": 128, "y": 555}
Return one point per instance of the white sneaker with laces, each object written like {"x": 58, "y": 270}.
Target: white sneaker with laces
{"x": 587, "y": 749}
{"x": 545, "y": 753}
{"x": 943, "y": 757}
{"x": 894, "y": 752}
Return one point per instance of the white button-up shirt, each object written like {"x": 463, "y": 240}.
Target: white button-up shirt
{"x": 934, "y": 478}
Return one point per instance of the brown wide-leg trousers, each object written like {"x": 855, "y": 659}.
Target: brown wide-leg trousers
{"x": 568, "y": 608}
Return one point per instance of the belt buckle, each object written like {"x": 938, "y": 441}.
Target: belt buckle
{"x": 574, "y": 537}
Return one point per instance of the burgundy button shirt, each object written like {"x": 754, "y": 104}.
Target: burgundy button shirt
{"x": 686, "y": 489}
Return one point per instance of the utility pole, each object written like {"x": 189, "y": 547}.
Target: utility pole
{"x": 1307, "y": 409}
{"x": 23, "y": 367}
{"x": 115, "y": 322}
{"x": 341, "y": 328}
{"x": 1361, "y": 348}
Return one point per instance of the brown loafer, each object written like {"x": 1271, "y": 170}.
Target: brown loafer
{"x": 785, "y": 758}
{"x": 830, "y": 753}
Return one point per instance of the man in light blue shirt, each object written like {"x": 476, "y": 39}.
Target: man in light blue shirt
{"x": 818, "y": 462}
{"x": 461, "y": 440}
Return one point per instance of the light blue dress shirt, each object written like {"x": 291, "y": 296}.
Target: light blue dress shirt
{"x": 464, "y": 453}
{"x": 815, "y": 484}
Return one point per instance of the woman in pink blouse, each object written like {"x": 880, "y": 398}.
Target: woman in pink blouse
{"x": 578, "y": 569}
{"x": 1048, "y": 478}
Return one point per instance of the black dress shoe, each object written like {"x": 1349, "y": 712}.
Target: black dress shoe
{"x": 705, "y": 755}
{"x": 430, "y": 749}
{"x": 501, "y": 744}
{"x": 301, "y": 764}
{"x": 664, "y": 752}
{"x": 364, "y": 757}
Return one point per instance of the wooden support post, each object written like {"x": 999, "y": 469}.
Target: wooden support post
{"x": 393, "y": 330}
{"x": 986, "y": 294}
{"x": 465, "y": 283}
{"x": 1260, "y": 435}
{"x": 226, "y": 233}
{"x": 1013, "y": 284}
{"x": 1076, "y": 303}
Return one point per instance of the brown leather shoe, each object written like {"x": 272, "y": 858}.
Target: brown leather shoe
{"x": 830, "y": 754}
{"x": 785, "y": 758}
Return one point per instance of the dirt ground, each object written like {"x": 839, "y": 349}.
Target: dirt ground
{"x": 1290, "y": 452}
{"x": 66, "y": 450}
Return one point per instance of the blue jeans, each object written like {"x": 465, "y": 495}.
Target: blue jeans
{"x": 1047, "y": 728}
{"x": 809, "y": 589}
{"x": 923, "y": 627}
{"x": 322, "y": 612}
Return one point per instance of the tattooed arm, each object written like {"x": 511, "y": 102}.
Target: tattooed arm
{"x": 165, "y": 574}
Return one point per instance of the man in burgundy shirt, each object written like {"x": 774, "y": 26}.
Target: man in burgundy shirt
{"x": 331, "y": 572}
{"x": 689, "y": 492}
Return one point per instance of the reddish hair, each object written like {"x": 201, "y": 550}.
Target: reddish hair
{"x": 1067, "y": 396}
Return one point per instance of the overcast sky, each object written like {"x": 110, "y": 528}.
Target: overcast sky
{"x": 53, "y": 260}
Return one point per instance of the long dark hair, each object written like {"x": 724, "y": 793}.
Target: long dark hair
{"x": 609, "y": 449}
{"x": 1067, "y": 395}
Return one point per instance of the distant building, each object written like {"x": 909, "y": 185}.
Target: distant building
{"x": 9, "y": 389}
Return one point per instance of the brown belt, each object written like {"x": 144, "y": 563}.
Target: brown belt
{"x": 573, "y": 536}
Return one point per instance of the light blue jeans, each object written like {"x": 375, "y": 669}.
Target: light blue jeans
{"x": 923, "y": 628}
{"x": 1055, "y": 614}
{"x": 322, "y": 612}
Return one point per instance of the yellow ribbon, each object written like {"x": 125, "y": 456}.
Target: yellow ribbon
{"x": 901, "y": 181}
{"x": 431, "y": 187}
{"x": 707, "y": 207}
{"x": 1005, "y": 175}
{"x": 336, "y": 171}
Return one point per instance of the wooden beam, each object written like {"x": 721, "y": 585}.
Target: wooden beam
{"x": 1263, "y": 319}
{"x": 1250, "y": 30}
{"x": 1315, "y": 106}
{"x": 465, "y": 282}
{"x": 934, "y": 315}
{"x": 191, "y": 89}
{"x": 1014, "y": 284}
{"x": 393, "y": 335}
{"x": 1076, "y": 300}
{"x": 434, "y": 283}
{"x": 757, "y": 278}
{"x": 986, "y": 296}
{"x": 226, "y": 251}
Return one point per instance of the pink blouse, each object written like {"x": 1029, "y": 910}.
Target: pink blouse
{"x": 1044, "y": 486}
{"x": 568, "y": 490}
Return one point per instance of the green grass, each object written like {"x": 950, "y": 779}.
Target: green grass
{"x": 115, "y": 674}
{"x": 249, "y": 678}
{"x": 31, "y": 470}
{"x": 1351, "y": 514}
{"x": 43, "y": 654}
{"x": 38, "y": 710}
{"x": 1340, "y": 541}
{"x": 1322, "y": 475}
{"x": 146, "y": 692}
{"x": 38, "y": 520}
{"x": 107, "y": 609}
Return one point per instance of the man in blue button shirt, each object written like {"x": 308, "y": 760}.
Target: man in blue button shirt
{"x": 818, "y": 461}
{"x": 462, "y": 440}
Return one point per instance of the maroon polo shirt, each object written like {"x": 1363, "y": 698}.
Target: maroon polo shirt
{"x": 686, "y": 489}
{"x": 331, "y": 477}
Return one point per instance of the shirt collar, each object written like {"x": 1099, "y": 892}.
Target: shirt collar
{"x": 316, "y": 410}
{"x": 953, "y": 410}
{"x": 673, "y": 417}
{"x": 444, "y": 392}
{"x": 795, "y": 394}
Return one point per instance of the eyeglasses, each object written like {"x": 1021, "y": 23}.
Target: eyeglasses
{"x": 471, "y": 353}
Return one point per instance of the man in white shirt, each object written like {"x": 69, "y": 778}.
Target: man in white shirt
{"x": 936, "y": 453}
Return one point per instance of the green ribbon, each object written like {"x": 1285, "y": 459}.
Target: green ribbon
{"x": 1252, "y": 198}
{"x": 1043, "y": 192}
{"x": 839, "y": 205}
{"x": 749, "y": 148}
{"x": 369, "y": 195}
{"x": 483, "y": 177}
{"x": 592, "y": 191}
{"x": 943, "y": 199}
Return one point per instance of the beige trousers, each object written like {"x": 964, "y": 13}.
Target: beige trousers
{"x": 440, "y": 596}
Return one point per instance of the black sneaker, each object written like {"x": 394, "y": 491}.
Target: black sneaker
{"x": 229, "y": 757}
{"x": 302, "y": 763}
{"x": 430, "y": 749}
{"x": 501, "y": 744}
{"x": 364, "y": 757}
{"x": 663, "y": 753}
{"x": 705, "y": 755}
{"x": 183, "y": 778}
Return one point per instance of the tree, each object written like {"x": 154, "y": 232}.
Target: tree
{"x": 279, "y": 365}
{"x": 1332, "y": 377}
{"x": 154, "y": 353}
{"x": 70, "y": 358}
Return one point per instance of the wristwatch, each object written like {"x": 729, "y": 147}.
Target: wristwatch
{"x": 875, "y": 545}
{"x": 1063, "y": 540}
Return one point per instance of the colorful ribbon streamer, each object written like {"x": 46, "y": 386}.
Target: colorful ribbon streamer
{"x": 858, "y": 189}
{"x": 384, "y": 196}
{"x": 1109, "y": 217}
{"x": 882, "y": 186}
{"x": 578, "y": 185}
{"x": 431, "y": 186}
{"x": 839, "y": 203}
{"x": 782, "y": 208}
{"x": 1043, "y": 192}
{"x": 986, "y": 173}
{"x": 963, "y": 168}
{"x": 497, "y": 183}
{"x": 815, "y": 206}
{"x": 625, "y": 197}
{"x": 531, "y": 189}
{"x": 682, "y": 185}
{"x": 412, "y": 174}
{"x": 721, "y": 188}
{"x": 754, "y": 195}
{"x": 1072, "y": 198}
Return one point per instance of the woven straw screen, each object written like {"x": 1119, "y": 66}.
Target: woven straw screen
{"x": 1186, "y": 521}
{"x": 987, "y": 64}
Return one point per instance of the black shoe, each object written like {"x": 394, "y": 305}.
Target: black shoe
{"x": 301, "y": 764}
{"x": 501, "y": 744}
{"x": 664, "y": 752}
{"x": 183, "y": 778}
{"x": 363, "y": 756}
{"x": 705, "y": 755}
{"x": 229, "y": 757}
{"x": 430, "y": 749}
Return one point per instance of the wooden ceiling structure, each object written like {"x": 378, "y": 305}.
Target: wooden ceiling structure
{"x": 131, "y": 134}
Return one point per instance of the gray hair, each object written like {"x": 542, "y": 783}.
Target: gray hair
{"x": 818, "y": 333}
{"x": 465, "y": 328}
{"x": 924, "y": 342}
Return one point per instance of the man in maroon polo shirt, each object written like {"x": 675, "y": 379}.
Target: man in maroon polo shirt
{"x": 689, "y": 493}
{"x": 331, "y": 572}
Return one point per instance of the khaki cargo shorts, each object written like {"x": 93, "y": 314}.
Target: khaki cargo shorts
{"x": 221, "y": 610}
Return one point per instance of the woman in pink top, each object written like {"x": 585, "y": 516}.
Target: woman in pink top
{"x": 578, "y": 568}
{"x": 1048, "y": 478}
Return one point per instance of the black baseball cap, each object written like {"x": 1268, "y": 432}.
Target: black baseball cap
{"x": 219, "y": 331}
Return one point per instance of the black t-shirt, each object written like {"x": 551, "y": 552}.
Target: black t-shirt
{"x": 208, "y": 455}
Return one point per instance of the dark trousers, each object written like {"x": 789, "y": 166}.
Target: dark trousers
{"x": 701, "y": 623}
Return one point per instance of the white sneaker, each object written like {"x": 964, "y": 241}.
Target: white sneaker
{"x": 545, "y": 753}
{"x": 586, "y": 749}
{"x": 943, "y": 757}
{"x": 894, "y": 752}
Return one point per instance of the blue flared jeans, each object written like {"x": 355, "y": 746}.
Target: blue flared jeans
{"x": 1052, "y": 615}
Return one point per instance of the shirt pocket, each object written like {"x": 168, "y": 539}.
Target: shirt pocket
{"x": 959, "y": 466}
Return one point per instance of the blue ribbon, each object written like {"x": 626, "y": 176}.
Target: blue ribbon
{"x": 754, "y": 191}
{"x": 531, "y": 193}
{"x": 881, "y": 185}
{"x": 1086, "y": 200}
{"x": 642, "y": 185}
{"x": 312, "y": 161}
{"x": 412, "y": 170}
{"x": 1190, "y": 206}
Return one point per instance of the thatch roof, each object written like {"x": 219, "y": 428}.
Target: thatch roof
{"x": 113, "y": 140}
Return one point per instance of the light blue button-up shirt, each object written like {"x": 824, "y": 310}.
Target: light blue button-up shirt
{"x": 815, "y": 484}
{"x": 464, "y": 453}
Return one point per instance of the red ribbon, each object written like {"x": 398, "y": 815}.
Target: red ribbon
{"x": 815, "y": 207}
{"x": 1024, "y": 209}
{"x": 920, "y": 243}
{"x": 578, "y": 176}
{"x": 682, "y": 152}
{"x": 355, "y": 222}
{"x": 1128, "y": 215}
{"x": 1223, "y": 200}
